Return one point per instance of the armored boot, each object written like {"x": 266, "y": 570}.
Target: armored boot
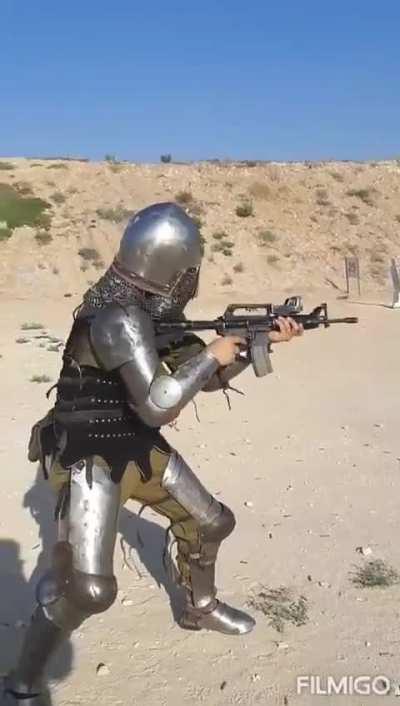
{"x": 217, "y": 616}
{"x": 24, "y": 685}
{"x": 203, "y": 610}
{"x": 215, "y": 522}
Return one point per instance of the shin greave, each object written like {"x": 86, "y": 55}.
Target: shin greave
{"x": 80, "y": 582}
{"x": 215, "y": 522}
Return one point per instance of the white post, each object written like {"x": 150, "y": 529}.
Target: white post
{"x": 394, "y": 270}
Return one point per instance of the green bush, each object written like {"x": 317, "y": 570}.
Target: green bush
{"x": 58, "y": 165}
{"x": 184, "y": 197}
{"x": 58, "y": 197}
{"x": 40, "y": 378}
{"x": 90, "y": 254}
{"x": 219, "y": 235}
{"x": 352, "y": 218}
{"x": 5, "y": 232}
{"x": 197, "y": 220}
{"x": 116, "y": 215}
{"x": 17, "y": 210}
{"x": 31, "y": 326}
{"x": 366, "y": 195}
{"x": 266, "y": 237}
{"x": 6, "y": 166}
{"x": 322, "y": 197}
{"x": 245, "y": 210}
{"x": 23, "y": 188}
{"x": 43, "y": 237}
{"x": 337, "y": 176}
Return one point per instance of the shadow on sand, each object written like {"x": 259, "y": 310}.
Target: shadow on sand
{"x": 17, "y": 594}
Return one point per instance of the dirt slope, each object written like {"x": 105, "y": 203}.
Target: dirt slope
{"x": 305, "y": 219}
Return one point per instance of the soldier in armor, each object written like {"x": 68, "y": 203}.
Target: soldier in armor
{"x": 101, "y": 443}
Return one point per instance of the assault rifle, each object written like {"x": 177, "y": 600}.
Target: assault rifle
{"x": 253, "y": 326}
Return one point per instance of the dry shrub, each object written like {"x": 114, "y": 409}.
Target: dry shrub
{"x": 273, "y": 172}
{"x": 260, "y": 190}
{"x": 352, "y": 218}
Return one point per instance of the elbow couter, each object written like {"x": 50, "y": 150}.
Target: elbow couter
{"x": 155, "y": 418}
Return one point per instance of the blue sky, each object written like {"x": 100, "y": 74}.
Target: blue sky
{"x": 274, "y": 80}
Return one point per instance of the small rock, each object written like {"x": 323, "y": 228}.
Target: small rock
{"x": 249, "y": 503}
{"x": 367, "y": 643}
{"x": 126, "y": 602}
{"x": 255, "y": 677}
{"x": 282, "y": 645}
{"x": 222, "y": 685}
{"x": 102, "y": 669}
{"x": 324, "y": 584}
{"x": 365, "y": 551}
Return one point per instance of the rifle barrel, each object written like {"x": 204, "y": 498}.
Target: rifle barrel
{"x": 248, "y": 322}
{"x": 345, "y": 320}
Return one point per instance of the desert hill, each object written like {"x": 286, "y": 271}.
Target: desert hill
{"x": 265, "y": 225}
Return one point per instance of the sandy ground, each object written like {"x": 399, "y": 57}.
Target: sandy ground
{"x": 308, "y": 459}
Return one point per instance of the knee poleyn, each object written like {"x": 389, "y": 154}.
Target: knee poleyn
{"x": 92, "y": 593}
{"x": 220, "y": 527}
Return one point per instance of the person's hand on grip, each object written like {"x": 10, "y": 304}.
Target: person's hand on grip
{"x": 226, "y": 349}
{"x": 287, "y": 329}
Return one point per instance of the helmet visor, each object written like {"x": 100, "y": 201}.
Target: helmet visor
{"x": 186, "y": 286}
